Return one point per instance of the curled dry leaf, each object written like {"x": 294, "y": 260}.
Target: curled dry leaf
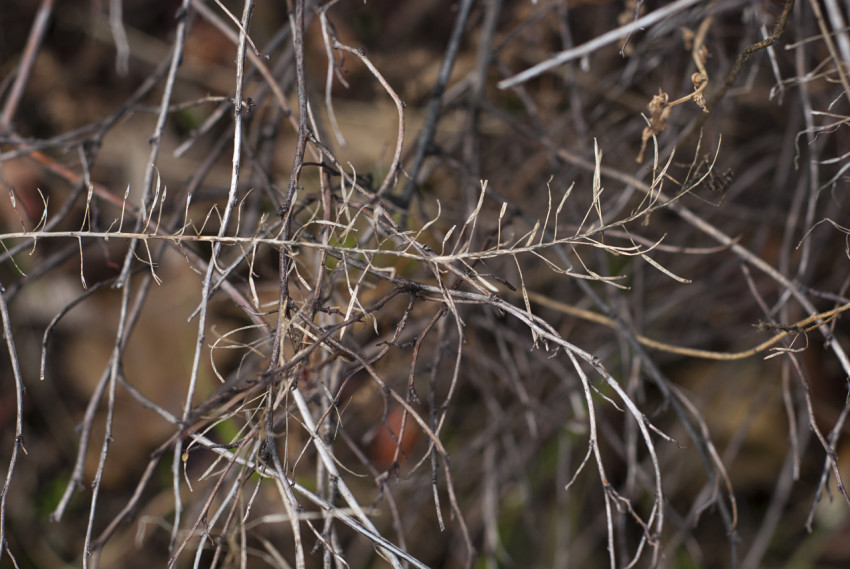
{"x": 659, "y": 112}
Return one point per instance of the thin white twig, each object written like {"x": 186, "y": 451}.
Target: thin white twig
{"x": 232, "y": 198}
{"x": 598, "y": 42}
{"x": 19, "y": 425}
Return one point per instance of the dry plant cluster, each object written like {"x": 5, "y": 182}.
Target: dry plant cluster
{"x": 424, "y": 284}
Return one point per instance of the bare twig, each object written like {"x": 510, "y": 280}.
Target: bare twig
{"x": 39, "y": 27}
{"x": 600, "y": 41}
